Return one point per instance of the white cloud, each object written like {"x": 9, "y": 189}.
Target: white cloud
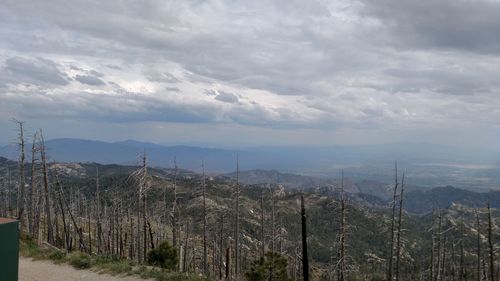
{"x": 292, "y": 65}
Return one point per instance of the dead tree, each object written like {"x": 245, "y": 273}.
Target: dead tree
{"x": 391, "y": 242}
{"x": 341, "y": 271}
{"x": 490, "y": 245}
{"x": 79, "y": 230}
{"x": 141, "y": 177}
{"x": 173, "y": 214}
{"x": 205, "y": 257}
{"x": 88, "y": 212}
{"x": 228, "y": 263}
{"x": 237, "y": 222}
{"x": 305, "y": 257}
{"x": 439, "y": 238}
{"x": 263, "y": 243}
{"x": 443, "y": 260}
{"x": 398, "y": 238}
{"x": 186, "y": 245}
{"x": 478, "y": 225}
{"x": 463, "y": 272}
{"x": 221, "y": 244}
{"x": 66, "y": 233}
{"x": 273, "y": 219}
{"x": 33, "y": 184}
{"x": 48, "y": 221}
{"x": 20, "y": 190}
{"x": 433, "y": 241}
{"x": 98, "y": 213}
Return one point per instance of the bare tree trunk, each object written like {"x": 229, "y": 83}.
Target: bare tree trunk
{"x": 490, "y": 245}
{"x": 186, "y": 241}
{"x": 131, "y": 239}
{"x": 398, "y": 239}
{"x": 144, "y": 228}
{"x": 463, "y": 275}
{"x": 262, "y": 234}
{"x": 205, "y": 257}
{"x": 138, "y": 243}
{"x": 478, "y": 247}
{"x": 78, "y": 229}
{"x": 221, "y": 244}
{"x": 174, "y": 209}
{"x": 9, "y": 192}
{"x": 305, "y": 256}
{"x": 98, "y": 213}
{"x": 141, "y": 176}
{"x": 31, "y": 214}
{"x": 273, "y": 222}
{"x": 391, "y": 242}
{"x": 151, "y": 235}
{"x": 433, "y": 239}
{"x": 440, "y": 222}
{"x": 20, "y": 191}
{"x": 48, "y": 221}
{"x": 342, "y": 233}
{"x": 443, "y": 266}
{"x": 237, "y": 222}
{"x": 65, "y": 228}
{"x": 89, "y": 227}
{"x": 228, "y": 263}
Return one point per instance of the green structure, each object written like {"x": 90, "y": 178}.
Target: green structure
{"x": 9, "y": 249}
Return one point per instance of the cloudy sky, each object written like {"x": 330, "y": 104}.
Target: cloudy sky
{"x": 239, "y": 73}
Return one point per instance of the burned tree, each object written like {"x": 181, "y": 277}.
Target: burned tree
{"x": 173, "y": 213}
{"x": 141, "y": 177}
{"x": 490, "y": 246}
{"x": 305, "y": 256}
{"x": 33, "y": 184}
{"x": 398, "y": 238}
{"x": 341, "y": 266}
{"x": 205, "y": 258}
{"x": 47, "y": 192}
{"x": 390, "y": 259}
{"x": 262, "y": 234}
{"x": 237, "y": 222}
{"x": 20, "y": 189}
{"x": 478, "y": 265}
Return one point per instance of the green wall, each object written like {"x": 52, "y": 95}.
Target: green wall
{"x": 9, "y": 250}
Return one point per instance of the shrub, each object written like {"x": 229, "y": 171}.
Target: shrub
{"x": 116, "y": 267}
{"x": 260, "y": 269}
{"x": 57, "y": 256}
{"x": 81, "y": 261}
{"x": 165, "y": 256}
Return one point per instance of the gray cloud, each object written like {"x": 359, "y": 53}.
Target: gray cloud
{"x": 34, "y": 71}
{"x": 89, "y": 80}
{"x": 389, "y": 66}
{"x": 226, "y": 97}
{"x": 454, "y": 24}
{"x": 161, "y": 77}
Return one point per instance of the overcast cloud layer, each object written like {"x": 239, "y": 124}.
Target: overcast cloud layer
{"x": 253, "y": 72}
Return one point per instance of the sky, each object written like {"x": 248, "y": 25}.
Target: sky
{"x": 246, "y": 73}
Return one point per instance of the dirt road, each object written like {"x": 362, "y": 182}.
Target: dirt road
{"x": 30, "y": 270}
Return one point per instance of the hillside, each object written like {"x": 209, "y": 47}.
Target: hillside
{"x": 443, "y": 197}
{"x": 367, "y": 216}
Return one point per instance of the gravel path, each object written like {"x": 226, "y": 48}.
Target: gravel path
{"x": 30, "y": 270}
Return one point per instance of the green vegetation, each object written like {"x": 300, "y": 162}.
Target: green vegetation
{"x": 165, "y": 256}
{"x": 272, "y": 267}
{"x": 118, "y": 224}
{"x": 113, "y": 266}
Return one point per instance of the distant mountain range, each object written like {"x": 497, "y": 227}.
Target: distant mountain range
{"x": 427, "y": 164}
